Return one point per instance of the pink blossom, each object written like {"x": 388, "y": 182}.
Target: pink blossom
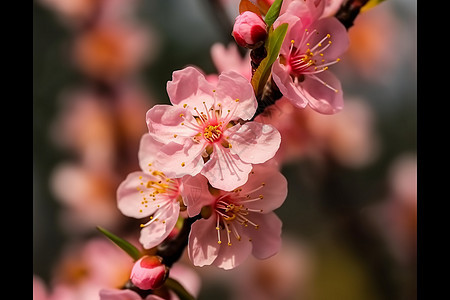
{"x": 249, "y": 30}
{"x": 242, "y": 222}
{"x": 182, "y": 273}
{"x": 150, "y": 193}
{"x": 149, "y": 272}
{"x": 202, "y": 132}
{"x": 311, "y": 45}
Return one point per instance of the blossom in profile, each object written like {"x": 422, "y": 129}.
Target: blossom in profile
{"x": 249, "y": 30}
{"x": 241, "y": 222}
{"x": 312, "y": 44}
{"x": 204, "y": 130}
{"x": 180, "y": 272}
{"x": 149, "y": 272}
{"x": 150, "y": 193}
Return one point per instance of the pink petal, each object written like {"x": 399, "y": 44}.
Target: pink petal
{"x": 177, "y": 160}
{"x": 164, "y": 121}
{"x": 196, "y": 194}
{"x": 116, "y": 294}
{"x": 189, "y": 86}
{"x": 254, "y": 142}
{"x": 321, "y": 98}
{"x": 287, "y": 86}
{"x": 232, "y": 256}
{"x": 225, "y": 170}
{"x": 338, "y": 37}
{"x": 266, "y": 239}
{"x": 148, "y": 149}
{"x": 161, "y": 225}
{"x": 130, "y": 198}
{"x": 232, "y": 86}
{"x": 203, "y": 247}
{"x": 295, "y": 27}
{"x": 274, "y": 189}
{"x": 307, "y": 10}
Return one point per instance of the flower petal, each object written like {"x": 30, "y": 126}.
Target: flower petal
{"x": 267, "y": 182}
{"x": 164, "y": 121}
{"x": 266, "y": 239}
{"x": 232, "y": 86}
{"x": 287, "y": 86}
{"x": 177, "y": 160}
{"x": 196, "y": 194}
{"x": 203, "y": 247}
{"x": 254, "y": 142}
{"x": 189, "y": 86}
{"x": 320, "y": 97}
{"x": 338, "y": 37}
{"x": 232, "y": 256}
{"x": 126, "y": 294}
{"x": 161, "y": 225}
{"x": 225, "y": 170}
{"x": 308, "y": 10}
{"x": 131, "y": 195}
{"x": 148, "y": 149}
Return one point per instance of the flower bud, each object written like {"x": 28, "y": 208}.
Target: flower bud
{"x": 249, "y": 30}
{"x": 149, "y": 272}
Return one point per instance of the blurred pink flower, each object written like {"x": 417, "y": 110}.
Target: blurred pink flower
{"x": 150, "y": 193}
{"x": 39, "y": 289}
{"x": 85, "y": 268}
{"x": 376, "y": 32}
{"x": 348, "y": 137}
{"x": 111, "y": 294}
{"x": 87, "y": 197}
{"x": 286, "y": 275}
{"x": 229, "y": 59}
{"x": 311, "y": 45}
{"x": 79, "y": 13}
{"x": 396, "y": 216}
{"x": 112, "y": 52}
{"x": 243, "y": 219}
{"x": 85, "y": 126}
{"x": 201, "y": 133}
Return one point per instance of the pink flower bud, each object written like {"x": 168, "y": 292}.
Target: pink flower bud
{"x": 149, "y": 272}
{"x": 249, "y": 29}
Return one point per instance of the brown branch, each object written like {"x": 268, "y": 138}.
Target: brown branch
{"x": 348, "y": 11}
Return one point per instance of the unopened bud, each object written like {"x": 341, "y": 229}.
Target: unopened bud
{"x": 249, "y": 30}
{"x": 149, "y": 272}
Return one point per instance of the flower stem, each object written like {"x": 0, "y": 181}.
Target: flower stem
{"x": 348, "y": 11}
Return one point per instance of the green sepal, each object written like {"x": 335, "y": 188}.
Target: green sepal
{"x": 273, "y": 46}
{"x": 123, "y": 244}
{"x": 273, "y": 12}
{"x": 178, "y": 289}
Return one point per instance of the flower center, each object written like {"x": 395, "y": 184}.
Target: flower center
{"x": 300, "y": 63}
{"x": 161, "y": 185}
{"x": 306, "y": 59}
{"x": 231, "y": 211}
{"x": 212, "y": 133}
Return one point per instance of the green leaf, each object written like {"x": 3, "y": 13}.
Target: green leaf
{"x": 273, "y": 45}
{"x": 273, "y": 12}
{"x": 124, "y": 245}
{"x": 178, "y": 289}
{"x": 370, "y": 4}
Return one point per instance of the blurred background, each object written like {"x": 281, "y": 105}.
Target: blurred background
{"x": 350, "y": 218}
